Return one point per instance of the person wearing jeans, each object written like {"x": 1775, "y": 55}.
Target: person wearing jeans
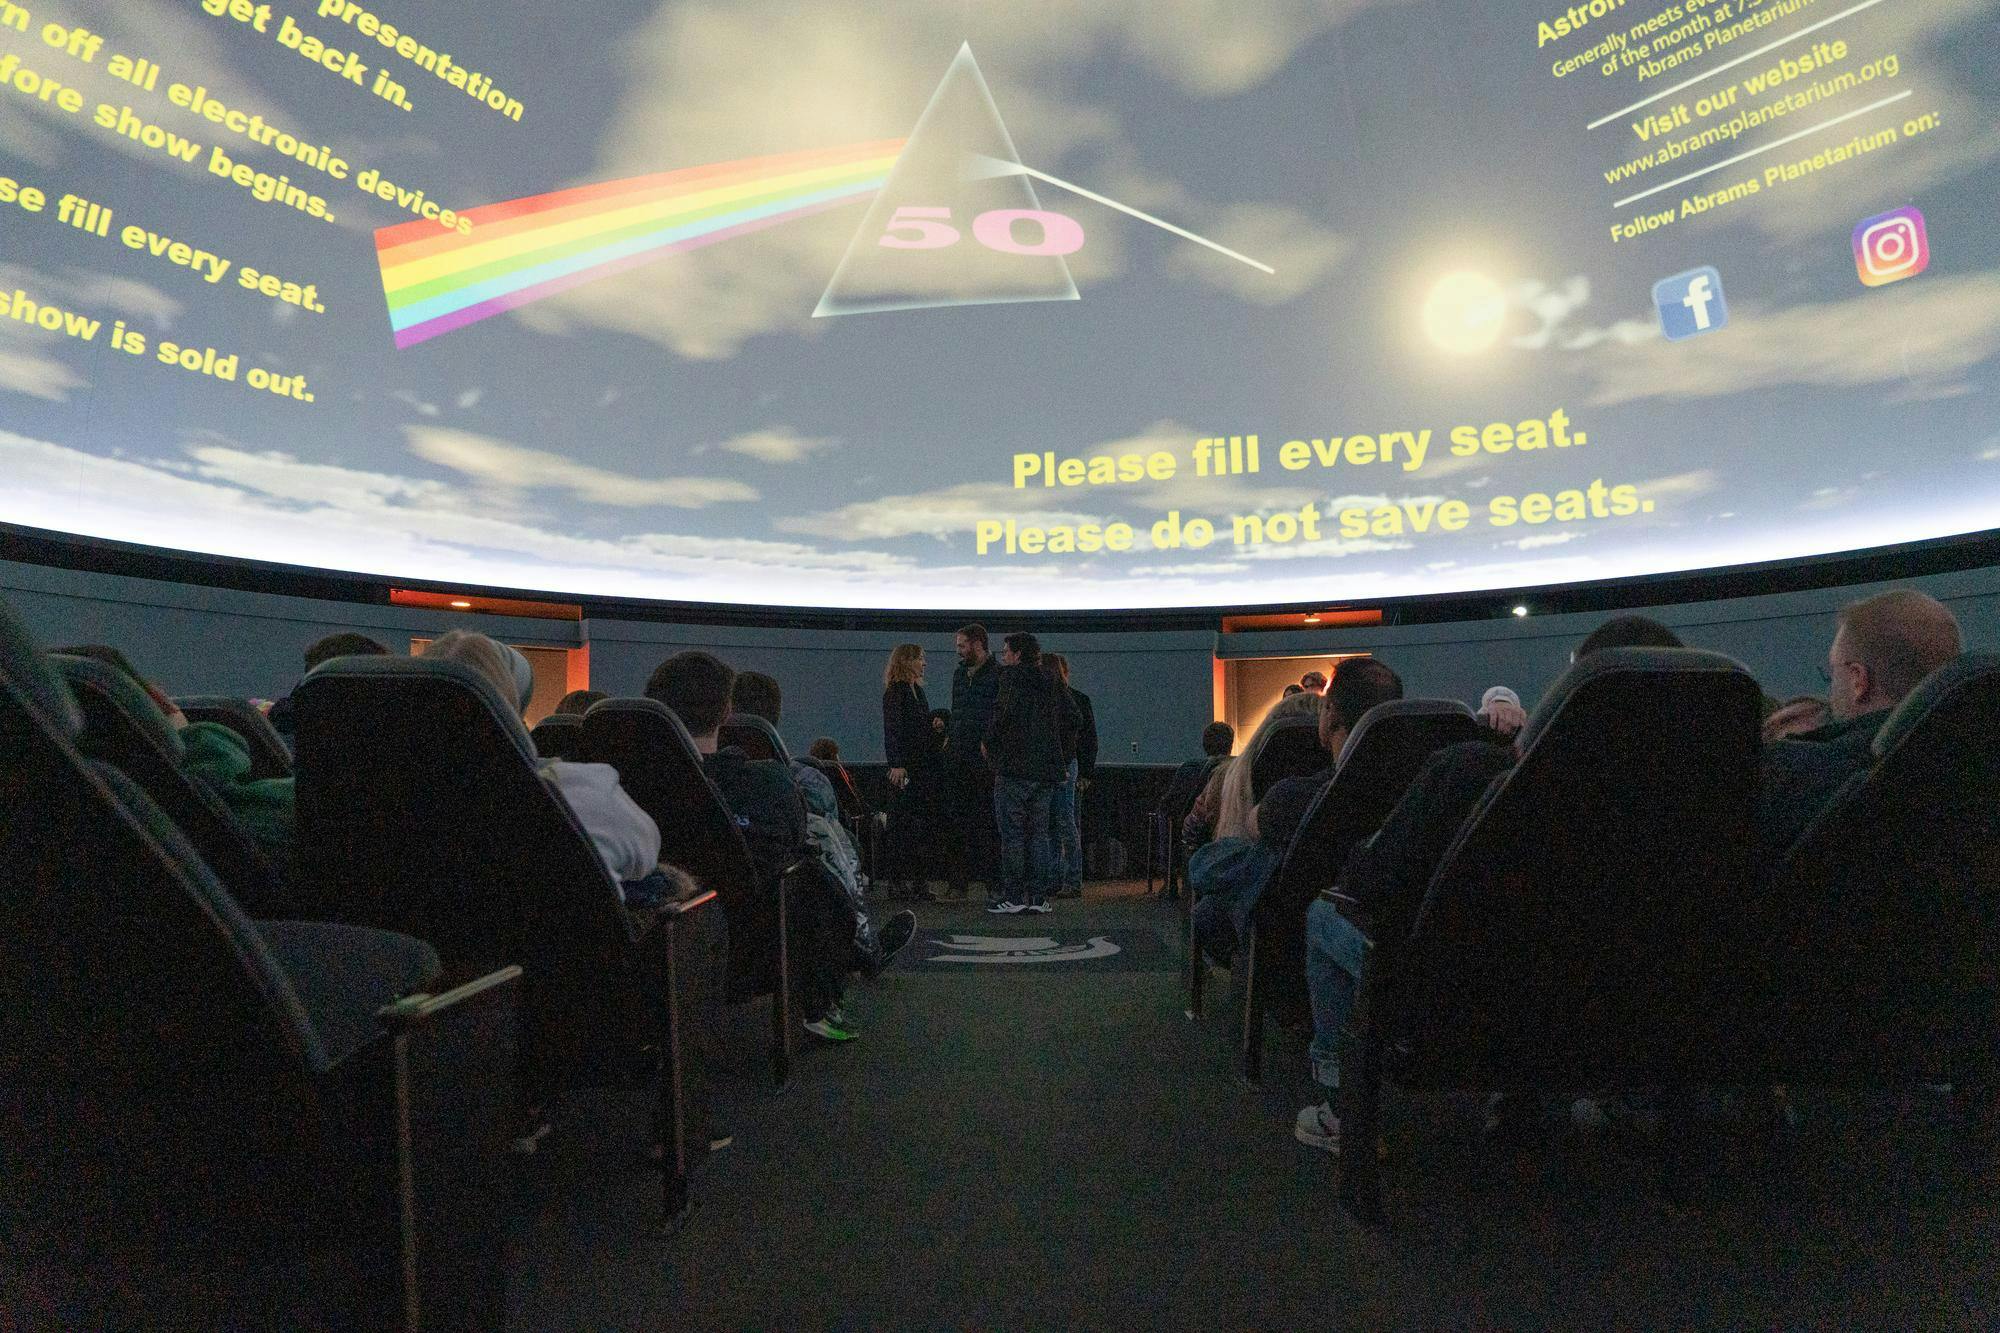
{"x": 1029, "y": 743}
{"x": 1028, "y": 866}
{"x": 1335, "y": 947}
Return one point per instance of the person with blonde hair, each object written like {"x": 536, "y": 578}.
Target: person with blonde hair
{"x": 626, "y": 838}
{"x": 911, "y": 746}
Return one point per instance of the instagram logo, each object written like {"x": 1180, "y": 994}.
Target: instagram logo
{"x": 1891, "y": 247}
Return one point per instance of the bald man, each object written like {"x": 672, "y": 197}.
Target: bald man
{"x": 1882, "y": 648}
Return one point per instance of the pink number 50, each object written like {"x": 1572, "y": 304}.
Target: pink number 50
{"x": 912, "y": 228}
{"x": 1060, "y": 235}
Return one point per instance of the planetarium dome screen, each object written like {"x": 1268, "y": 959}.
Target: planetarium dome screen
{"x": 1095, "y": 304}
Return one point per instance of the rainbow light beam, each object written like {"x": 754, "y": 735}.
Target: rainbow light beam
{"x": 525, "y": 249}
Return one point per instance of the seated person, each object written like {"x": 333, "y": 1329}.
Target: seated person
{"x": 1500, "y": 715}
{"x": 1313, "y": 682}
{"x": 768, "y": 807}
{"x": 220, "y": 760}
{"x": 1233, "y": 871}
{"x": 322, "y": 650}
{"x": 1882, "y": 649}
{"x": 626, "y": 838}
{"x": 759, "y": 695}
{"x": 827, "y": 751}
{"x": 1387, "y": 875}
{"x": 577, "y": 702}
{"x": 1794, "y": 717}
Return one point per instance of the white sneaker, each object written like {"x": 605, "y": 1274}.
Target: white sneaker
{"x": 1004, "y": 908}
{"x": 1038, "y": 907}
{"x": 1318, "y": 1127}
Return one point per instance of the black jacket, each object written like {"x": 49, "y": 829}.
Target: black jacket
{"x": 974, "y": 696}
{"x": 1085, "y": 749}
{"x": 1034, "y": 726}
{"x": 1389, "y": 873}
{"x": 907, "y": 737}
{"x": 1802, "y": 773}
{"x": 766, "y": 804}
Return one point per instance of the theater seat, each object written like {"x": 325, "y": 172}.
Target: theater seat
{"x": 559, "y": 736}
{"x": 1377, "y": 764}
{"x": 754, "y": 736}
{"x": 1291, "y": 750}
{"x": 1885, "y": 916}
{"x": 661, "y": 770}
{"x": 1569, "y": 938}
{"x": 433, "y": 820}
{"x": 187, "y": 1142}
{"x": 269, "y": 757}
{"x": 123, "y": 727}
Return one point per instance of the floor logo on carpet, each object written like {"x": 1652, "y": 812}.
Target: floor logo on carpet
{"x": 1019, "y": 949}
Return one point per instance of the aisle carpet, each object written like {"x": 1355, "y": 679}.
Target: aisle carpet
{"x": 1053, "y": 1145}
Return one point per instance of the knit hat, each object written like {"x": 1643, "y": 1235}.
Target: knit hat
{"x": 1500, "y": 693}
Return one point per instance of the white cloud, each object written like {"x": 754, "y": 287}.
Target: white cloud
{"x": 1922, "y": 334}
{"x": 939, "y": 513}
{"x": 776, "y": 446}
{"x": 470, "y": 399}
{"x": 1303, "y": 252}
{"x": 511, "y": 467}
{"x": 1551, "y": 307}
{"x": 26, "y": 370}
{"x": 89, "y": 292}
{"x": 1542, "y": 539}
{"x": 416, "y": 404}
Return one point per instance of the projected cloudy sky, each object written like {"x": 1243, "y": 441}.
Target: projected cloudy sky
{"x": 1464, "y": 210}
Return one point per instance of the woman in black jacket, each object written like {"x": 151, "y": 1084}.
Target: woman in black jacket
{"x": 912, "y": 748}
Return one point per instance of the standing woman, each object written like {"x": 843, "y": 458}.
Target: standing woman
{"x": 912, "y": 748}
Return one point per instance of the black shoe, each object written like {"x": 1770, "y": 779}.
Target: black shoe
{"x": 898, "y": 931}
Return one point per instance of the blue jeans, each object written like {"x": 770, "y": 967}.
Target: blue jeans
{"x": 1334, "y": 949}
{"x": 1066, "y": 830}
{"x": 1027, "y": 865}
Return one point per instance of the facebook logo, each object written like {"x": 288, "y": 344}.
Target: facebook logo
{"x": 1690, "y": 303}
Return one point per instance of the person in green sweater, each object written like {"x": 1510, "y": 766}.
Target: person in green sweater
{"x": 220, "y": 759}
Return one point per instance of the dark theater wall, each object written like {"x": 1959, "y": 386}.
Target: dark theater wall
{"x": 1152, "y": 690}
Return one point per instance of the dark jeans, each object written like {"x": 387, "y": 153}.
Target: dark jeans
{"x": 1027, "y": 853}
{"x": 968, "y": 824}
{"x": 908, "y": 842}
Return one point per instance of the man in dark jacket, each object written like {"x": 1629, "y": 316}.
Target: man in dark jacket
{"x": 968, "y": 781}
{"x": 1033, "y": 731}
{"x": 1066, "y": 814}
{"x": 1882, "y": 648}
{"x": 768, "y": 808}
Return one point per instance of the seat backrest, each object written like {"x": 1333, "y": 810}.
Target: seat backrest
{"x": 156, "y": 1066}
{"x": 1886, "y": 912}
{"x": 559, "y": 736}
{"x": 1291, "y": 749}
{"x": 1573, "y": 927}
{"x": 269, "y": 757}
{"x": 754, "y": 736}
{"x": 124, "y": 728}
{"x": 433, "y": 820}
{"x": 1377, "y": 764}
{"x": 661, "y": 770}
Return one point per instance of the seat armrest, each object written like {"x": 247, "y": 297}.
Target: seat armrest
{"x": 682, "y": 906}
{"x": 458, "y": 1103}
{"x": 414, "y": 1011}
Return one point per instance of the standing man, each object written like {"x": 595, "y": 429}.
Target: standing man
{"x": 1033, "y": 732}
{"x": 1066, "y": 817}
{"x": 968, "y": 781}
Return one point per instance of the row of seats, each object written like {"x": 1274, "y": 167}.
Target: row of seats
{"x": 446, "y": 940}
{"x": 205, "y": 1115}
{"x": 1604, "y": 917}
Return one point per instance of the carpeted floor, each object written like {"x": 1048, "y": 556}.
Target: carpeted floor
{"x": 1048, "y": 1143}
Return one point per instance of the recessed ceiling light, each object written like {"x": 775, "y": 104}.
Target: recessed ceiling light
{"x": 463, "y": 606}
{"x": 1312, "y": 620}
{"x": 1520, "y": 610}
